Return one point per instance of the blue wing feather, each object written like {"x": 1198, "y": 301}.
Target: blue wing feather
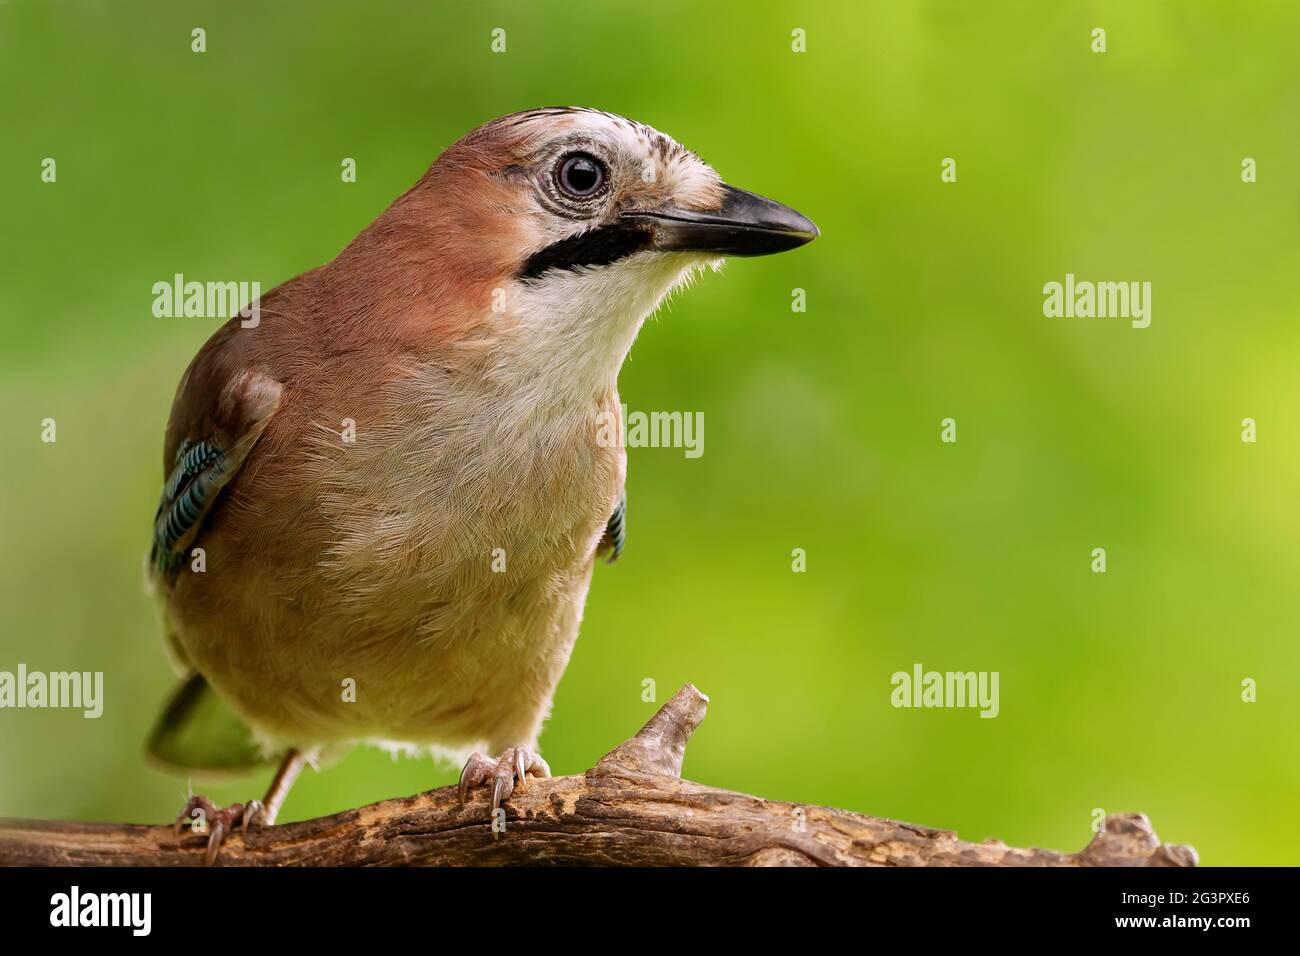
{"x": 615, "y": 531}
{"x": 189, "y": 490}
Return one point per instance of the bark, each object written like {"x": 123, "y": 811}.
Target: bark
{"x": 631, "y": 809}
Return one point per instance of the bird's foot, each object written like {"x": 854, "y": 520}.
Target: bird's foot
{"x": 204, "y": 817}
{"x": 514, "y": 764}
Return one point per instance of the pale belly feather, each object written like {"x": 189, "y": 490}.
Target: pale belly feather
{"x": 444, "y": 597}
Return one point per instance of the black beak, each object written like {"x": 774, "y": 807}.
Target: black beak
{"x": 744, "y": 225}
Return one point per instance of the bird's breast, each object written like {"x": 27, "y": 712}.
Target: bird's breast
{"x": 466, "y": 533}
{"x": 440, "y": 559}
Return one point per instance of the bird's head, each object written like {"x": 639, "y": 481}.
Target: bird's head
{"x": 571, "y": 225}
{"x": 593, "y": 189}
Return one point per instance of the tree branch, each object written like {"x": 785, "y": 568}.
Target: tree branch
{"x": 632, "y": 808}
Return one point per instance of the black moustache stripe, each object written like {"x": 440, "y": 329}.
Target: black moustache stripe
{"x": 597, "y": 247}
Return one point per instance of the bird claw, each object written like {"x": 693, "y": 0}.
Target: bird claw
{"x": 218, "y": 821}
{"x": 252, "y": 815}
{"x": 513, "y": 767}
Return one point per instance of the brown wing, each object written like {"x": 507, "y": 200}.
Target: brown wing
{"x": 219, "y": 413}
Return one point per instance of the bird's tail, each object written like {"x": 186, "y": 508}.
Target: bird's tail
{"x": 199, "y": 732}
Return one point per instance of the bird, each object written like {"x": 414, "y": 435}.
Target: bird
{"x": 383, "y": 501}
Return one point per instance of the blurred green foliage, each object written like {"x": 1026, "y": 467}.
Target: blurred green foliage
{"x": 1119, "y": 691}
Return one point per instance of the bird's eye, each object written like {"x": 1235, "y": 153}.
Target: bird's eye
{"x": 580, "y": 175}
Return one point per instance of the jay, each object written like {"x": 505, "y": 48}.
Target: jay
{"x": 394, "y": 478}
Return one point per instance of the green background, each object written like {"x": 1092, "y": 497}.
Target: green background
{"x": 1119, "y": 691}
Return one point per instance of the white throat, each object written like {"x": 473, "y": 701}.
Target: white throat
{"x": 578, "y": 326}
